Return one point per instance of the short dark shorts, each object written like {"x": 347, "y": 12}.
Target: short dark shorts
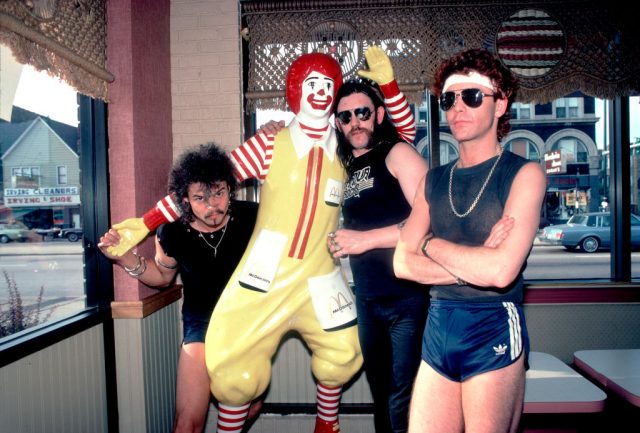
{"x": 194, "y": 330}
{"x": 463, "y": 339}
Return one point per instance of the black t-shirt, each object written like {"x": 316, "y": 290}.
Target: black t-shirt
{"x": 204, "y": 275}
{"x": 374, "y": 199}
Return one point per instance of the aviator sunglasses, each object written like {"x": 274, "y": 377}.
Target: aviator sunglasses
{"x": 471, "y": 97}
{"x": 362, "y": 114}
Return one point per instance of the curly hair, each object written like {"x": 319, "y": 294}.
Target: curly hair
{"x": 485, "y": 63}
{"x": 207, "y": 165}
{"x": 383, "y": 132}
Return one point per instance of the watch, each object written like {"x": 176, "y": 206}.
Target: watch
{"x": 425, "y": 244}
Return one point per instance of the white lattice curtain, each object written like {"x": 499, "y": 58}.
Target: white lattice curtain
{"x": 554, "y": 47}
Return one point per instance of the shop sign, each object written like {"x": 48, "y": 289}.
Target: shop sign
{"x": 42, "y": 197}
{"x": 555, "y": 162}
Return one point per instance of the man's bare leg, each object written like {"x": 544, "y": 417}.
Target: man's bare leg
{"x": 435, "y": 403}
{"x": 492, "y": 402}
{"x": 192, "y": 390}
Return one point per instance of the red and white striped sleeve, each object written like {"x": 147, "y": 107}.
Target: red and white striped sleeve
{"x": 165, "y": 211}
{"x": 252, "y": 159}
{"x": 399, "y": 111}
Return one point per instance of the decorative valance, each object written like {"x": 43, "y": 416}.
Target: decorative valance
{"x": 67, "y": 38}
{"x": 553, "y": 47}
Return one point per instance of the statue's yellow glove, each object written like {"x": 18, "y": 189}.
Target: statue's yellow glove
{"x": 132, "y": 231}
{"x": 380, "y": 69}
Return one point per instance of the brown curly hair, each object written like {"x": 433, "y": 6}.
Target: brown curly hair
{"x": 485, "y": 63}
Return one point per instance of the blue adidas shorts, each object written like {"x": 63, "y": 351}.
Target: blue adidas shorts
{"x": 462, "y": 339}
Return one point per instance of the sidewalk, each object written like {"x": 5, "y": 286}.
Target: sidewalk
{"x": 40, "y": 248}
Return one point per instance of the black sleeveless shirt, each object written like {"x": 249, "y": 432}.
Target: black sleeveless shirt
{"x": 374, "y": 199}
{"x": 474, "y": 229}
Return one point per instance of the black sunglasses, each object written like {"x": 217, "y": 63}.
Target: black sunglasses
{"x": 362, "y": 114}
{"x": 471, "y": 97}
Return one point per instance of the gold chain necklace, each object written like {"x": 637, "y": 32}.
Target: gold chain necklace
{"x": 484, "y": 185}
{"x": 214, "y": 248}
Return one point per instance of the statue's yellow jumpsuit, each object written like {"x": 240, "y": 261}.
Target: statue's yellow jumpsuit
{"x": 298, "y": 200}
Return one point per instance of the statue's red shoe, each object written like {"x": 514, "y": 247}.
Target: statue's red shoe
{"x": 323, "y": 426}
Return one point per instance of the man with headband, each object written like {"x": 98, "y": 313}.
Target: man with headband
{"x": 286, "y": 279}
{"x": 469, "y": 235}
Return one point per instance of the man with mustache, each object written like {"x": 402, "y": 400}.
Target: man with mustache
{"x": 204, "y": 246}
{"x": 383, "y": 174}
{"x": 286, "y": 262}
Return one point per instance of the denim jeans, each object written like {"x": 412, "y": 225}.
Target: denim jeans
{"x": 390, "y": 331}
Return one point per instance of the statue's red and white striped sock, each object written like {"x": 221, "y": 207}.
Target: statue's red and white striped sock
{"x": 328, "y": 401}
{"x": 231, "y": 418}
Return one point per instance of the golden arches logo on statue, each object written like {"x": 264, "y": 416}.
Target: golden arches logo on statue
{"x": 340, "y": 302}
{"x": 333, "y": 301}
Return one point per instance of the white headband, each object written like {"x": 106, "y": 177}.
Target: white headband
{"x": 472, "y": 78}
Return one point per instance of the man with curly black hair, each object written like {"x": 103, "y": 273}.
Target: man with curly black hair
{"x": 204, "y": 246}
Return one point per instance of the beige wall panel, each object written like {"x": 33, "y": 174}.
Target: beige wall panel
{"x": 58, "y": 389}
{"x": 562, "y": 329}
{"x": 146, "y": 364}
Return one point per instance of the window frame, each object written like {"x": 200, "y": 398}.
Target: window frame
{"x": 59, "y": 176}
{"x": 98, "y": 270}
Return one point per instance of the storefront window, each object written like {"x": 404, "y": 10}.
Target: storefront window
{"x": 41, "y": 249}
{"x": 574, "y": 156}
{"x": 573, "y": 240}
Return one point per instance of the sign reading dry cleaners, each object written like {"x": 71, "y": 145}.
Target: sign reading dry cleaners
{"x": 33, "y": 197}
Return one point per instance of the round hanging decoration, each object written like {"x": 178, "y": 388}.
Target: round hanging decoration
{"x": 530, "y": 43}
{"x": 340, "y": 40}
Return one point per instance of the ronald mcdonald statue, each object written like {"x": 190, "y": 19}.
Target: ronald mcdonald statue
{"x": 287, "y": 280}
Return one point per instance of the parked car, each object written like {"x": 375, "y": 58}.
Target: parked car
{"x": 13, "y": 232}
{"x": 71, "y": 234}
{"x": 48, "y": 234}
{"x": 588, "y": 231}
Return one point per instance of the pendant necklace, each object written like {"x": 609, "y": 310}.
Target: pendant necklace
{"x": 214, "y": 248}
{"x": 484, "y": 185}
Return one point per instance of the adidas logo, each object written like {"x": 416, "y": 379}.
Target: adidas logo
{"x": 500, "y": 350}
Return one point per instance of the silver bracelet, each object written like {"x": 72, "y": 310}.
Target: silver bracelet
{"x": 137, "y": 266}
{"x": 139, "y": 270}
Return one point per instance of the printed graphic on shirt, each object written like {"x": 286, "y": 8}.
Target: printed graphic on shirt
{"x": 358, "y": 182}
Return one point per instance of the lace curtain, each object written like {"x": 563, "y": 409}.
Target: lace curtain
{"x": 67, "y": 38}
{"x": 553, "y": 47}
